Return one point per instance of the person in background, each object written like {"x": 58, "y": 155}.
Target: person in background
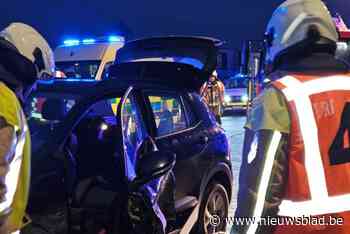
{"x": 166, "y": 123}
{"x": 25, "y": 56}
{"x": 295, "y": 165}
{"x": 213, "y": 93}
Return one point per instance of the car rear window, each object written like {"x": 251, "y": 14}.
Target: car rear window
{"x": 46, "y": 107}
{"x": 78, "y": 69}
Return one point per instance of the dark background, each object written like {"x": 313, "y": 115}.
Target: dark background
{"x": 230, "y": 20}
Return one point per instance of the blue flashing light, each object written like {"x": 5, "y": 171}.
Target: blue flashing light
{"x": 71, "y": 42}
{"x": 89, "y": 41}
{"x": 115, "y": 39}
{"x": 76, "y": 80}
{"x": 49, "y": 81}
{"x": 110, "y": 39}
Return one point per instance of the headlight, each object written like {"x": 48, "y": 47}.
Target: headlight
{"x": 244, "y": 98}
{"x": 227, "y": 98}
{"x": 104, "y": 127}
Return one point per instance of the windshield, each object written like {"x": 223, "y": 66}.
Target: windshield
{"x": 236, "y": 83}
{"x": 79, "y": 69}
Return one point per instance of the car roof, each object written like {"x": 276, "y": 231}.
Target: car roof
{"x": 148, "y": 75}
{"x": 74, "y": 86}
{"x": 178, "y": 38}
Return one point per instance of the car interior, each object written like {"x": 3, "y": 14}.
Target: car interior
{"x": 98, "y": 167}
{"x": 95, "y": 172}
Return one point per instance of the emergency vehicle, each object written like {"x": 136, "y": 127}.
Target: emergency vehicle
{"x": 241, "y": 89}
{"x": 87, "y": 58}
{"x": 236, "y": 93}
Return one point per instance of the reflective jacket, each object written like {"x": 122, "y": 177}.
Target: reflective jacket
{"x": 273, "y": 170}
{"x": 17, "y": 178}
{"x": 318, "y": 181}
{"x": 213, "y": 95}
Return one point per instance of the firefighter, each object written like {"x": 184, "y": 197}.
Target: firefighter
{"x": 24, "y": 57}
{"x": 295, "y": 164}
{"x": 213, "y": 93}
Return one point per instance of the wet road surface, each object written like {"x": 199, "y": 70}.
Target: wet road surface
{"x": 233, "y": 126}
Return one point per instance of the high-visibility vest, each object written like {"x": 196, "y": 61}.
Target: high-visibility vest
{"x": 17, "y": 180}
{"x": 318, "y": 181}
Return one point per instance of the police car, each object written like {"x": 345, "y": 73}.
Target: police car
{"x": 87, "y": 58}
{"x": 136, "y": 153}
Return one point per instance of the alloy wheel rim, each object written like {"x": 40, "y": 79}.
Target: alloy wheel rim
{"x": 216, "y": 208}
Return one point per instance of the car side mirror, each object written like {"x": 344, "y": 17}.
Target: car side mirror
{"x": 151, "y": 166}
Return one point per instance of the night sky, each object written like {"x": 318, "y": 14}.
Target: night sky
{"x": 229, "y": 20}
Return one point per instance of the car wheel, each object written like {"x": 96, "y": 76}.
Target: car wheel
{"x": 213, "y": 210}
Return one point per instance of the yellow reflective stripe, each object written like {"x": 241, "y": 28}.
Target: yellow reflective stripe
{"x": 11, "y": 179}
{"x": 264, "y": 181}
{"x": 309, "y": 132}
{"x": 320, "y": 202}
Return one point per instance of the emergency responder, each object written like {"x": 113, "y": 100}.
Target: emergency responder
{"x": 166, "y": 123}
{"x": 296, "y": 146}
{"x": 213, "y": 93}
{"x": 24, "y": 57}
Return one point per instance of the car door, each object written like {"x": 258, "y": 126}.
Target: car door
{"x": 198, "y": 52}
{"x": 143, "y": 203}
{"x": 178, "y": 131}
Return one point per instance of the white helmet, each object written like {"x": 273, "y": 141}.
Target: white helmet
{"x": 290, "y": 25}
{"x": 32, "y": 46}
{"x": 215, "y": 73}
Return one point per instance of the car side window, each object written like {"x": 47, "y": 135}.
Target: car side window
{"x": 169, "y": 113}
{"x": 134, "y": 130}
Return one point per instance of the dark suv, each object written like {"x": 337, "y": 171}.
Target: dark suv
{"x": 137, "y": 153}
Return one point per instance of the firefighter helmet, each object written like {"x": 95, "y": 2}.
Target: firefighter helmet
{"x": 291, "y": 22}
{"x": 31, "y": 45}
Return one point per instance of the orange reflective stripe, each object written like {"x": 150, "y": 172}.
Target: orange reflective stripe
{"x": 295, "y": 91}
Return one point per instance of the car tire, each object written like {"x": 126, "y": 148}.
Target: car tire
{"x": 213, "y": 209}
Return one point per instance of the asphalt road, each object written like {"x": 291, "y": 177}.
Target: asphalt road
{"x": 233, "y": 126}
